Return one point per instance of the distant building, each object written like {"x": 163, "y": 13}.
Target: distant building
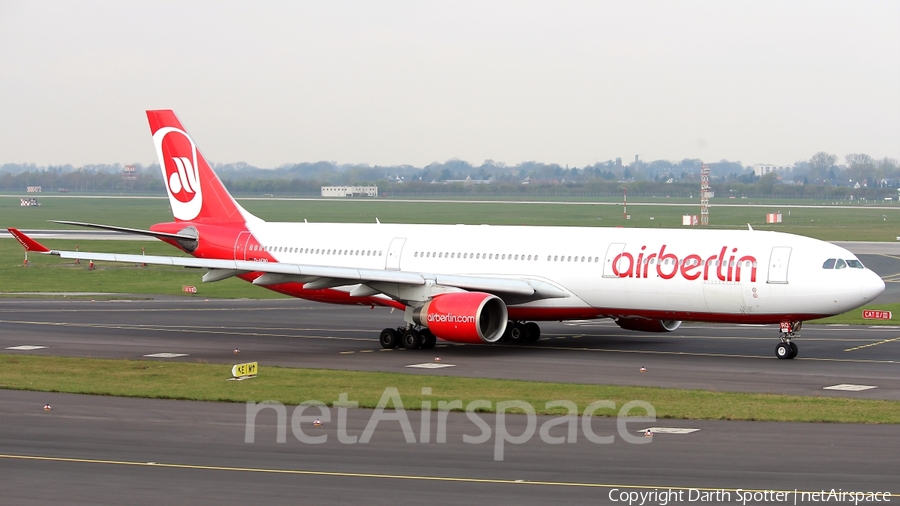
{"x": 761, "y": 169}
{"x": 467, "y": 181}
{"x": 33, "y": 189}
{"x": 349, "y": 191}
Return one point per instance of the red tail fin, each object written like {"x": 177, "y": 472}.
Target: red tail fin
{"x": 196, "y": 194}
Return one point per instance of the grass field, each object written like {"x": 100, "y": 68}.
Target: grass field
{"x": 832, "y": 223}
{"x": 206, "y": 382}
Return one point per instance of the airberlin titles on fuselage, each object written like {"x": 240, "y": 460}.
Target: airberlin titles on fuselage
{"x": 691, "y": 267}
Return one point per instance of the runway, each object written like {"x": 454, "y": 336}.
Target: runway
{"x": 101, "y": 450}
{"x": 296, "y": 333}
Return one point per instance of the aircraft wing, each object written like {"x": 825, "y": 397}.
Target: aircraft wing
{"x": 313, "y": 276}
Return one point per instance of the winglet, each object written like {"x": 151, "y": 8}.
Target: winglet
{"x": 27, "y": 242}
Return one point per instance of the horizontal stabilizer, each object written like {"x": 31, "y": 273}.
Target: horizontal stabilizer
{"x": 125, "y": 230}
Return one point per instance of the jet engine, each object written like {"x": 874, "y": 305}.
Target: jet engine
{"x": 464, "y": 317}
{"x": 648, "y": 325}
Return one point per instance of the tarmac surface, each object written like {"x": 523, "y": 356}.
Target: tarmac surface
{"x": 106, "y": 450}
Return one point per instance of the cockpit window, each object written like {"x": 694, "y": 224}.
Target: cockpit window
{"x": 855, "y": 264}
{"x": 829, "y": 264}
{"x": 840, "y": 264}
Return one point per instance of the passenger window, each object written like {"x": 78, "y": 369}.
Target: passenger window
{"x": 840, "y": 264}
{"x": 855, "y": 264}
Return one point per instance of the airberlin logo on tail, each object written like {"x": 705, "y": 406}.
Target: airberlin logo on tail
{"x": 177, "y": 156}
{"x": 184, "y": 179}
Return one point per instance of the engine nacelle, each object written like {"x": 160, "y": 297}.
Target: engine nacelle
{"x": 464, "y": 317}
{"x": 647, "y": 325}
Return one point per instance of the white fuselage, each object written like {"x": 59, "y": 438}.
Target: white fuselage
{"x": 689, "y": 274}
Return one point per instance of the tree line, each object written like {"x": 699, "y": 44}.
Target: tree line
{"x": 821, "y": 176}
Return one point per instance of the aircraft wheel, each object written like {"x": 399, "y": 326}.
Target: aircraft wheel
{"x": 783, "y": 350}
{"x": 412, "y": 339}
{"x": 794, "y": 350}
{"x": 389, "y": 339}
{"x": 506, "y": 332}
{"x": 517, "y": 332}
{"x": 532, "y": 332}
{"x": 428, "y": 339}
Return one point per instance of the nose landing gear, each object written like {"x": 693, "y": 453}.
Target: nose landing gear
{"x": 787, "y": 349}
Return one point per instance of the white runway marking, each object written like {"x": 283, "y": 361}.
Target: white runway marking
{"x": 846, "y": 387}
{"x": 431, "y": 365}
{"x": 668, "y": 430}
{"x": 26, "y": 347}
{"x": 166, "y": 355}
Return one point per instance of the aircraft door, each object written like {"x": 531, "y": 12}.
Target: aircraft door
{"x": 240, "y": 246}
{"x": 612, "y": 252}
{"x": 392, "y": 262}
{"x": 778, "y": 265}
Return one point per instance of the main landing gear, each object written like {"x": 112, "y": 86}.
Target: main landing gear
{"x": 521, "y": 332}
{"x": 787, "y": 349}
{"x": 413, "y": 338}
{"x": 409, "y": 338}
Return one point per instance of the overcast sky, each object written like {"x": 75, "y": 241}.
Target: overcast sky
{"x": 572, "y": 83}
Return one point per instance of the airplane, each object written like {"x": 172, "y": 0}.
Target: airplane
{"x": 484, "y": 284}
